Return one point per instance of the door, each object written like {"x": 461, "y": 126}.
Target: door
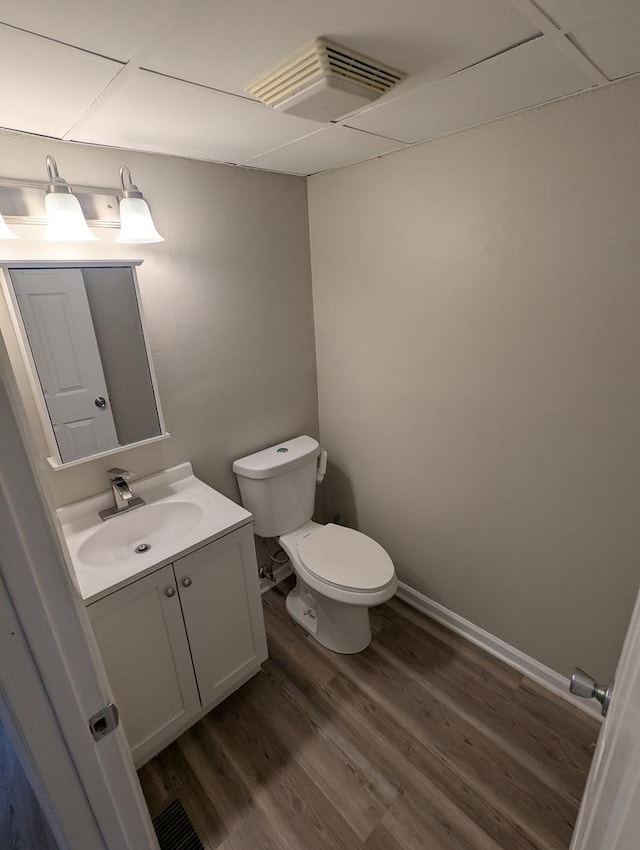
{"x": 222, "y": 608}
{"x": 57, "y": 319}
{"x": 143, "y": 643}
{"x": 609, "y": 816}
{"x": 51, "y": 676}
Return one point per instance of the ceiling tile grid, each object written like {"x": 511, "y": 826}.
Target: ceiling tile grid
{"x": 332, "y": 147}
{"x": 51, "y": 85}
{"x": 613, "y": 43}
{"x": 154, "y": 113}
{"x": 227, "y": 47}
{"x": 168, "y": 75}
{"x": 523, "y": 77}
{"x": 568, "y": 13}
{"x": 113, "y": 29}
{"x": 606, "y": 31}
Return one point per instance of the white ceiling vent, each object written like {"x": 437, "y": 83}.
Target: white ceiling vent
{"x": 324, "y": 82}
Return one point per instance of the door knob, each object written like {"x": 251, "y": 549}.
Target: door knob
{"x": 170, "y": 591}
{"x": 186, "y": 582}
{"x": 585, "y": 686}
{"x": 100, "y": 402}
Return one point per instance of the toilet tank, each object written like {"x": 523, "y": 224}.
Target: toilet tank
{"x": 278, "y": 485}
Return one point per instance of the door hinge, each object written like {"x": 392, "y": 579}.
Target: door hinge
{"x": 104, "y": 722}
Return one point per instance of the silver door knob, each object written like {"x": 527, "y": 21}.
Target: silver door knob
{"x": 585, "y": 686}
{"x": 186, "y": 582}
{"x": 100, "y": 402}
{"x": 170, "y": 591}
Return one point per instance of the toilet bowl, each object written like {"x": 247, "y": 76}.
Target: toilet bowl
{"x": 340, "y": 573}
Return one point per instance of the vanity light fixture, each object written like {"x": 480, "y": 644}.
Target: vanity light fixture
{"x": 65, "y": 219}
{"x": 136, "y": 224}
{"x": 5, "y": 230}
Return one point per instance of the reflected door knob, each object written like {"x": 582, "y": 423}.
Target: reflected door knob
{"x": 186, "y": 582}
{"x": 100, "y": 402}
{"x": 585, "y": 686}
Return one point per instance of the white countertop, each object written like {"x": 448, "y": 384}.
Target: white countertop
{"x": 215, "y": 516}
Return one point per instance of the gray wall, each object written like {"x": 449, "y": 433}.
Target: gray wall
{"x": 227, "y": 300}
{"x": 477, "y": 308}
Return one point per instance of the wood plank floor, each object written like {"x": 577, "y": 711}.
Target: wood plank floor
{"x": 421, "y": 741}
{"x": 22, "y": 823}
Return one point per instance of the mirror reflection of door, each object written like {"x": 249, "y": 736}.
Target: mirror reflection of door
{"x": 57, "y": 319}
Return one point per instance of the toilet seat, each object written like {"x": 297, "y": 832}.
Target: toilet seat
{"x": 345, "y": 558}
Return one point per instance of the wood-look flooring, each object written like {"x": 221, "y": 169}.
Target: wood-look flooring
{"x": 23, "y": 825}
{"x": 421, "y": 741}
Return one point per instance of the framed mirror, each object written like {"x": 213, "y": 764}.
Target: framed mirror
{"x": 81, "y": 332}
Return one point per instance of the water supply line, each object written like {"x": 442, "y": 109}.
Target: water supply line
{"x": 274, "y": 558}
{"x": 266, "y": 571}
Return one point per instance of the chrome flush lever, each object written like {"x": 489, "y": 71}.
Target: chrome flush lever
{"x": 322, "y": 465}
{"x": 585, "y": 686}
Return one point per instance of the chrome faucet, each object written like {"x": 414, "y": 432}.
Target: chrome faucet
{"x": 119, "y": 487}
{"x": 124, "y": 500}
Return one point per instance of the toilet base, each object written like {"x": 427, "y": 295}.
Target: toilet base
{"x": 340, "y": 627}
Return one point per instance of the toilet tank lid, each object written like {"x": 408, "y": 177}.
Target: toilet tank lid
{"x": 277, "y": 459}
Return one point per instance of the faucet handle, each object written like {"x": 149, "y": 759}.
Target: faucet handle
{"x": 115, "y": 472}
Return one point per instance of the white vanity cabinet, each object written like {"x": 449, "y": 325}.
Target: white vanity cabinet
{"x": 179, "y": 640}
{"x": 222, "y": 607}
{"x": 143, "y": 643}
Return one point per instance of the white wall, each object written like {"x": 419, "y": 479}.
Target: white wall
{"x": 227, "y": 299}
{"x": 477, "y": 306}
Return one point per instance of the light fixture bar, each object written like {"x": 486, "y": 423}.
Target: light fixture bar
{"x": 22, "y": 202}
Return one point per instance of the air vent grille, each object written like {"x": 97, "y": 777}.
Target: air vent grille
{"x": 361, "y": 69}
{"x": 324, "y": 65}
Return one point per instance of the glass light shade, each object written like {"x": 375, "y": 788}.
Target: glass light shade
{"x": 5, "y": 231}
{"x": 65, "y": 220}
{"x": 136, "y": 224}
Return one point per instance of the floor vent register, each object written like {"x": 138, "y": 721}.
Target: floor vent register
{"x": 174, "y": 829}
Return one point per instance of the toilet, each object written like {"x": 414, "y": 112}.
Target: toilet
{"x": 340, "y": 573}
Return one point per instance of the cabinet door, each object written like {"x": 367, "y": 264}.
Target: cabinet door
{"x": 222, "y": 608}
{"x": 143, "y": 643}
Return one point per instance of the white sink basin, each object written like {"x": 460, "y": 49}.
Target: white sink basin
{"x": 144, "y": 529}
{"x": 182, "y": 513}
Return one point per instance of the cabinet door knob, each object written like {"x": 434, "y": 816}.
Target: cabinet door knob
{"x": 186, "y": 582}
{"x": 170, "y": 591}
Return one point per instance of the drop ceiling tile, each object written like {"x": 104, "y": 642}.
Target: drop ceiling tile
{"x": 154, "y": 113}
{"x": 114, "y": 28}
{"x": 569, "y": 13}
{"x": 47, "y": 86}
{"x": 613, "y": 43}
{"x": 332, "y": 147}
{"x": 226, "y": 49}
{"x": 525, "y": 76}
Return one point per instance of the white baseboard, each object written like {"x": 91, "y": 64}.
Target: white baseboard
{"x": 546, "y": 677}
